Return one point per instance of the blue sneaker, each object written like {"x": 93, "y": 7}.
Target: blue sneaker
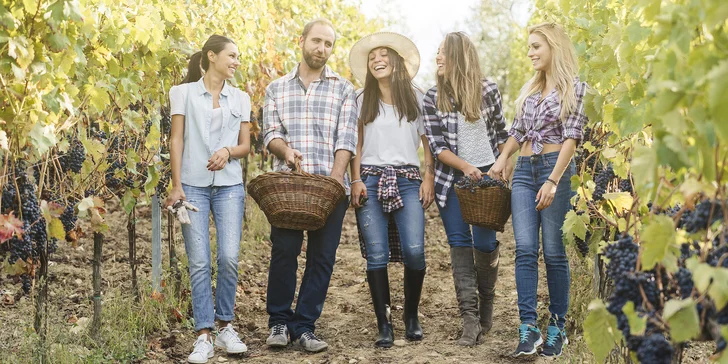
{"x": 555, "y": 341}
{"x": 530, "y": 340}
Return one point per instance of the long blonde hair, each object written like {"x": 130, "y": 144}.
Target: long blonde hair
{"x": 462, "y": 79}
{"x": 564, "y": 68}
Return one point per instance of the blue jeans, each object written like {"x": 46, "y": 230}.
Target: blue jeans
{"x": 530, "y": 174}
{"x": 410, "y": 221}
{"x": 459, "y": 233}
{"x": 226, "y": 204}
{"x": 320, "y": 258}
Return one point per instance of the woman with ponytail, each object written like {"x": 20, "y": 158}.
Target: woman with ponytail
{"x": 548, "y": 126}
{"x": 210, "y": 133}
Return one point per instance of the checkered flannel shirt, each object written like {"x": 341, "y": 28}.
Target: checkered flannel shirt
{"x": 441, "y": 129}
{"x": 317, "y": 121}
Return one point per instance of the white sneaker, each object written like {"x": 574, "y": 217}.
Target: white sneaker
{"x": 229, "y": 340}
{"x": 278, "y": 337}
{"x": 203, "y": 350}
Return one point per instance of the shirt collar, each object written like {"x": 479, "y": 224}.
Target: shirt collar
{"x": 201, "y": 90}
{"x": 326, "y": 74}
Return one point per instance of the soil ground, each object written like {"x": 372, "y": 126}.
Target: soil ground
{"x": 347, "y": 322}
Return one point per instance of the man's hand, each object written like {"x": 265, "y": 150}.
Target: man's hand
{"x": 292, "y": 156}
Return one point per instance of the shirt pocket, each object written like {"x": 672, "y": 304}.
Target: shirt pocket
{"x": 236, "y": 115}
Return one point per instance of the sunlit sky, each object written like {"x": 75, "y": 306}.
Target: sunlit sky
{"x": 425, "y": 22}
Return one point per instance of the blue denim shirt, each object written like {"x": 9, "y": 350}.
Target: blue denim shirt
{"x": 194, "y": 102}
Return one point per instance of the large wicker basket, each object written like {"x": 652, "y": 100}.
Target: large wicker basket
{"x": 488, "y": 207}
{"x": 296, "y": 200}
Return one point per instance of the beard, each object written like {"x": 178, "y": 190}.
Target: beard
{"x": 312, "y": 62}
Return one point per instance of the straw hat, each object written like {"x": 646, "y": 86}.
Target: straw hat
{"x": 359, "y": 55}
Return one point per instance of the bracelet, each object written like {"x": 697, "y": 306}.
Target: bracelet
{"x": 356, "y": 180}
{"x": 229, "y": 152}
{"x": 552, "y": 181}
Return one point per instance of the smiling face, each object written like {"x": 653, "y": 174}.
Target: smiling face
{"x": 379, "y": 64}
{"x": 317, "y": 46}
{"x": 539, "y": 52}
{"x": 441, "y": 59}
{"x": 226, "y": 62}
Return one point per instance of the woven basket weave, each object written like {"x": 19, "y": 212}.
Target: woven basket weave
{"x": 488, "y": 207}
{"x": 296, "y": 200}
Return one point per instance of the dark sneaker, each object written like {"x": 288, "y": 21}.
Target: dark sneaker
{"x": 311, "y": 343}
{"x": 278, "y": 336}
{"x": 555, "y": 341}
{"x": 530, "y": 340}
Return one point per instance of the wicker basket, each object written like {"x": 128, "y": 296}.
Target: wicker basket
{"x": 296, "y": 200}
{"x": 488, "y": 207}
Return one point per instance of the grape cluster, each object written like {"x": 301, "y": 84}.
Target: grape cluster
{"x": 485, "y": 182}
{"x": 655, "y": 349}
{"x": 602, "y": 180}
{"x": 10, "y": 196}
{"x": 68, "y": 217}
{"x": 622, "y": 257}
{"x": 705, "y": 214}
{"x": 625, "y": 185}
{"x": 583, "y": 245}
{"x": 73, "y": 159}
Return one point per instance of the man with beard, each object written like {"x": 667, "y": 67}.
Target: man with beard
{"x": 309, "y": 117}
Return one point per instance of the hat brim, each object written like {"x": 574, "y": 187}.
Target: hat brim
{"x": 359, "y": 54}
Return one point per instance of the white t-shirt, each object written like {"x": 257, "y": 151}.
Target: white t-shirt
{"x": 389, "y": 141}
{"x": 473, "y": 146}
{"x": 216, "y": 128}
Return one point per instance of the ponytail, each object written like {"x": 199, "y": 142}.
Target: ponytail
{"x": 194, "y": 72}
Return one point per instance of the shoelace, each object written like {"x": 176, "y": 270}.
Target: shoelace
{"x": 229, "y": 331}
{"x": 524, "y": 335}
{"x": 551, "y": 339}
{"x": 198, "y": 347}
{"x": 310, "y": 336}
{"x": 278, "y": 329}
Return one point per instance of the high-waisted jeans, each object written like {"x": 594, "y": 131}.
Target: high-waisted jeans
{"x": 530, "y": 175}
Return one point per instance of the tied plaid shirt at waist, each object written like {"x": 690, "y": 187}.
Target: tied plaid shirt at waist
{"x": 388, "y": 189}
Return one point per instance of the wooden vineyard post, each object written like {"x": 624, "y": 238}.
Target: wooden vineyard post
{"x": 156, "y": 245}
{"x": 173, "y": 261}
{"x": 131, "y": 229}
{"x": 96, "y": 324}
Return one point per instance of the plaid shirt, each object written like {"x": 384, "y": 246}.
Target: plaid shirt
{"x": 441, "y": 129}
{"x": 317, "y": 121}
{"x": 540, "y": 122}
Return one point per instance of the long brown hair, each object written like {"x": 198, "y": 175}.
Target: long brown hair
{"x": 462, "y": 80}
{"x": 403, "y": 93}
{"x": 199, "y": 61}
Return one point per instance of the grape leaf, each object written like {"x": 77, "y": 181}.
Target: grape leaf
{"x": 658, "y": 241}
{"x": 600, "y": 330}
{"x": 637, "y": 324}
{"x": 682, "y": 315}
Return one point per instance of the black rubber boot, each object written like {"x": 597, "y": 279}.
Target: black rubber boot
{"x": 379, "y": 288}
{"x": 413, "y": 280}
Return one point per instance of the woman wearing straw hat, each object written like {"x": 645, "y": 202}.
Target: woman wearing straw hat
{"x": 466, "y": 132}
{"x": 386, "y": 167}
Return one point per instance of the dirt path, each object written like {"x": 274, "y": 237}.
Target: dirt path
{"x": 348, "y": 322}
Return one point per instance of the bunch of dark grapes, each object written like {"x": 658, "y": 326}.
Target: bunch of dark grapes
{"x": 602, "y": 180}
{"x": 68, "y": 217}
{"x": 26, "y": 283}
{"x": 112, "y": 182}
{"x": 622, "y": 257}
{"x": 20, "y": 248}
{"x": 166, "y": 123}
{"x": 655, "y": 349}
{"x": 625, "y": 185}
{"x": 471, "y": 185}
{"x": 10, "y": 197}
{"x": 73, "y": 159}
{"x": 684, "y": 282}
{"x": 583, "y": 245}
{"x": 706, "y": 213}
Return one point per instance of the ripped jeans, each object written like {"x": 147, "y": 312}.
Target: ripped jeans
{"x": 410, "y": 221}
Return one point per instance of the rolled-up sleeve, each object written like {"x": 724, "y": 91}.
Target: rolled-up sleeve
{"x": 177, "y": 100}
{"x": 346, "y": 130}
{"x": 433, "y": 125}
{"x": 272, "y": 125}
{"x": 495, "y": 99}
{"x": 574, "y": 124}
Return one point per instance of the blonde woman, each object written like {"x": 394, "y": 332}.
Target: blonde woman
{"x": 548, "y": 126}
{"x": 466, "y": 132}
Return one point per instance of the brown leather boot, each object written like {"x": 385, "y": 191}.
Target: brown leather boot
{"x": 486, "y": 264}
{"x": 464, "y": 275}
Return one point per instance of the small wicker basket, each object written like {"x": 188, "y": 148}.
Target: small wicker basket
{"x": 296, "y": 200}
{"x": 488, "y": 207}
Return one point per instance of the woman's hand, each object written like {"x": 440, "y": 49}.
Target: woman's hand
{"x": 427, "y": 191}
{"x": 175, "y": 195}
{"x": 545, "y": 195}
{"x": 472, "y": 172}
{"x": 218, "y": 160}
{"x": 499, "y": 169}
{"x": 358, "y": 192}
